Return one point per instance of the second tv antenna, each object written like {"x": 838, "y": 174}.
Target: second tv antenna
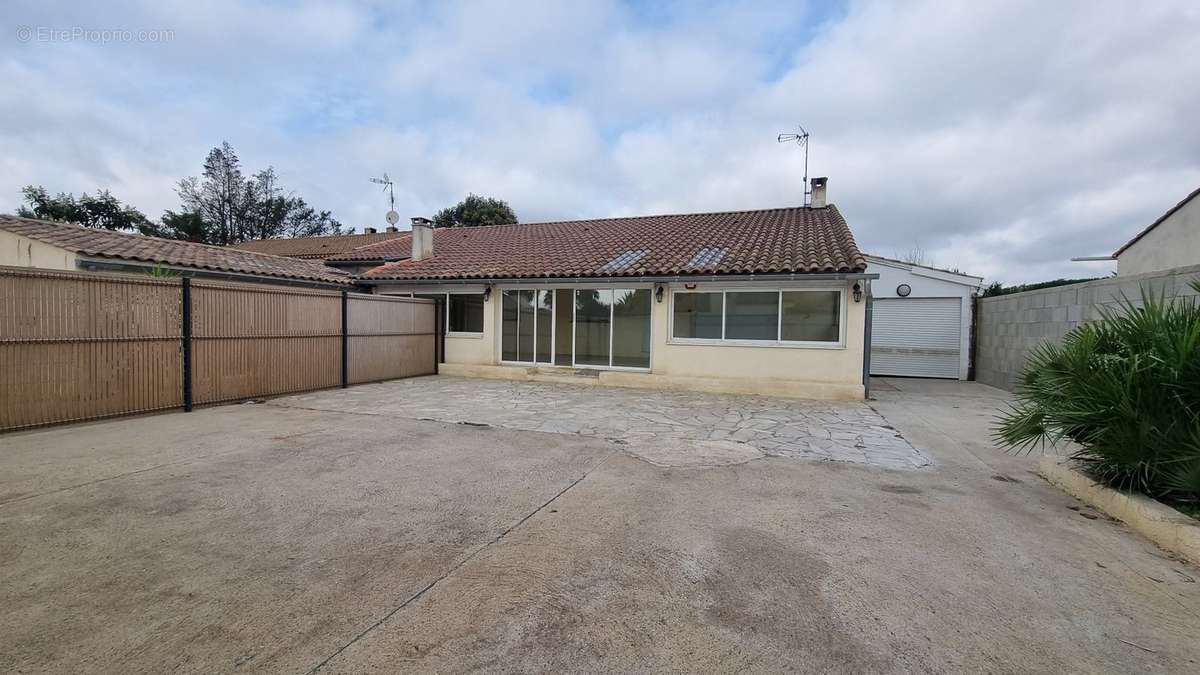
{"x": 800, "y": 139}
{"x": 392, "y": 216}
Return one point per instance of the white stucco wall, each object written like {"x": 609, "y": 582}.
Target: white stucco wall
{"x": 18, "y": 251}
{"x": 1175, "y": 242}
{"x": 929, "y": 283}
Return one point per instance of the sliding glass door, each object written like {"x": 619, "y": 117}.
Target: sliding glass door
{"x": 526, "y": 330}
{"x": 590, "y": 327}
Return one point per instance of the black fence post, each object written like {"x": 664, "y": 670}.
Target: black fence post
{"x": 187, "y": 344}
{"x": 437, "y": 334}
{"x": 867, "y": 319}
{"x": 345, "y": 339}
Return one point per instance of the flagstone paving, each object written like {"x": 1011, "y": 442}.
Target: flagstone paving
{"x": 643, "y": 420}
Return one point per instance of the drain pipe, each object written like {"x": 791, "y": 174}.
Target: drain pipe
{"x": 867, "y": 344}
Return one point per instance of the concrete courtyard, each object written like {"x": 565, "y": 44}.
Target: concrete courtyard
{"x": 440, "y": 524}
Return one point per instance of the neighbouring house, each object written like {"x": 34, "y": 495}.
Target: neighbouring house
{"x": 318, "y": 248}
{"x": 920, "y": 320}
{"x": 1169, "y": 242}
{"x": 765, "y": 302}
{"x": 27, "y": 242}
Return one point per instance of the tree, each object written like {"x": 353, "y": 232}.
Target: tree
{"x": 474, "y": 211}
{"x": 185, "y": 225}
{"x": 236, "y": 208}
{"x": 101, "y": 211}
{"x": 221, "y": 207}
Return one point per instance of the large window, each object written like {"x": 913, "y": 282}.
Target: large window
{"x": 751, "y": 315}
{"x": 812, "y": 316}
{"x": 775, "y": 317}
{"x": 464, "y": 311}
{"x": 698, "y": 315}
{"x": 591, "y": 327}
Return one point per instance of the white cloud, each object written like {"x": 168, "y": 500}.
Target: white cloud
{"x": 1002, "y": 138}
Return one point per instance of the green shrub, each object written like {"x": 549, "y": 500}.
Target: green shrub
{"x": 1127, "y": 390}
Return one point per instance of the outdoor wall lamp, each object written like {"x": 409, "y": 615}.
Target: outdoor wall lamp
{"x": 658, "y": 293}
{"x": 857, "y": 292}
{"x": 487, "y": 293}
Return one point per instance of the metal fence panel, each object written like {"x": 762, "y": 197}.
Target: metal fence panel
{"x": 389, "y": 337}
{"x": 81, "y": 346}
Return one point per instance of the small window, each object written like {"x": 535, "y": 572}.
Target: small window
{"x": 465, "y": 313}
{"x": 811, "y": 316}
{"x": 698, "y": 315}
{"x": 751, "y": 315}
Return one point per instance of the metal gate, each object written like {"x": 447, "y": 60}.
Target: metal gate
{"x": 916, "y": 337}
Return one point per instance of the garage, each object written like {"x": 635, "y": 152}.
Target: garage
{"x": 921, "y": 320}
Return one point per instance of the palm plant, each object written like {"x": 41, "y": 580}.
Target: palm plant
{"x": 1126, "y": 390}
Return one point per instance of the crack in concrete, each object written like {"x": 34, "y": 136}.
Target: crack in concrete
{"x": 182, "y": 462}
{"x": 428, "y": 587}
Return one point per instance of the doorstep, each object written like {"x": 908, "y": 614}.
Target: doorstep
{"x": 650, "y": 380}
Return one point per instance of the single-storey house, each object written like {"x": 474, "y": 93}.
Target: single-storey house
{"x": 921, "y": 319}
{"x": 28, "y": 242}
{"x": 766, "y": 302}
{"x": 1173, "y": 240}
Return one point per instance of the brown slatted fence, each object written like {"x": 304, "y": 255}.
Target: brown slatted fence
{"x": 389, "y": 337}
{"x": 82, "y": 346}
{"x": 79, "y": 346}
{"x": 255, "y": 340}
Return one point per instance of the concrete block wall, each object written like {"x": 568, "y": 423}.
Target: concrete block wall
{"x": 1010, "y": 326}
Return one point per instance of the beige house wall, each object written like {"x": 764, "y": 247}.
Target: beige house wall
{"x": 772, "y": 367}
{"x": 833, "y": 372}
{"x": 18, "y": 251}
{"x": 1175, "y": 242}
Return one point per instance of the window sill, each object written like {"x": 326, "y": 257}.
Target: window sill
{"x": 771, "y": 344}
{"x": 469, "y": 336}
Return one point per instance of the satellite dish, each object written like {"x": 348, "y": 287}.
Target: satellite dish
{"x": 393, "y": 217}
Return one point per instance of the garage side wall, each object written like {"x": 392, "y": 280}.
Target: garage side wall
{"x": 1011, "y": 326}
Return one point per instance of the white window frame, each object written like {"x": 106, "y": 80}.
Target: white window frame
{"x": 574, "y": 288}
{"x": 553, "y": 326}
{"x": 446, "y": 310}
{"x": 779, "y": 291}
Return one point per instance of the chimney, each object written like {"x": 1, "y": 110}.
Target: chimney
{"x": 422, "y": 238}
{"x": 818, "y": 192}
{"x": 392, "y": 228}
{"x": 368, "y": 230}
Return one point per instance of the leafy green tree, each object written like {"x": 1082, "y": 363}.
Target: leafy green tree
{"x": 474, "y": 211}
{"x": 221, "y": 206}
{"x": 237, "y": 208}
{"x": 185, "y": 225}
{"x": 101, "y": 210}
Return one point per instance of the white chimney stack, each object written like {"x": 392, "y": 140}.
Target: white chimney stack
{"x": 422, "y": 238}
{"x": 818, "y": 192}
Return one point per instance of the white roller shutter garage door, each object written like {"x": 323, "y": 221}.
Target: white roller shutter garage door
{"x": 916, "y": 337}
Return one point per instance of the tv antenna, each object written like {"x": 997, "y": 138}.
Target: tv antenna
{"x": 800, "y": 139}
{"x": 392, "y": 217}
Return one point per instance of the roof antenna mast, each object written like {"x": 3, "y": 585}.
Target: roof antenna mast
{"x": 392, "y": 216}
{"x": 800, "y": 139}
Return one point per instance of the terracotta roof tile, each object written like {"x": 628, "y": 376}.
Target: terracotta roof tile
{"x": 126, "y": 246}
{"x": 787, "y": 240}
{"x": 314, "y": 248}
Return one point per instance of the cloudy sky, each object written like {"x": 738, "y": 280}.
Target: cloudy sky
{"x": 1001, "y": 140}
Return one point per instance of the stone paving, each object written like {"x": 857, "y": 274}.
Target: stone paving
{"x": 641, "y": 419}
